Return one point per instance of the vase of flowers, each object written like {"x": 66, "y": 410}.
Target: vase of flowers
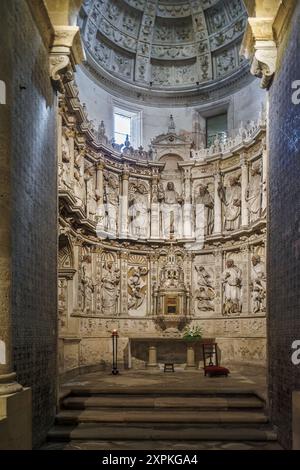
{"x": 193, "y": 334}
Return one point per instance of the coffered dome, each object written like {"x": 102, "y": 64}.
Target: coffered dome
{"x": 165, "y": 49}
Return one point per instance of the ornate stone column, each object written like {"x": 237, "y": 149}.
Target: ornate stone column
{"x": 218, "y": 257}
{"x": 187, "y": 207}
{"x": 246, "y": 277}
{"x": 124, "y": 205}
{"x": 99, "y": 195}
{"x": 218, "y": 206}
{"x": 70, "y": 134}
{"x": 154, "y": 208}
{"x": 264, "y": 177}
{"x": 244, "y": 184}
{"x": 124, "y": 282}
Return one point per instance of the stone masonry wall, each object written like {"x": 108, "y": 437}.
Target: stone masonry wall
{"x": 284, "y": 237}
{"x": 34, "y": 237}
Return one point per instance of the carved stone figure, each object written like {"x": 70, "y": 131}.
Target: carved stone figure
{"x": 171, "y": 212}
{"x": 231, "y": 198}
{"x": 110, "y": 288}
{"x": 232, "y": 288}
{"x": 136, "y": 287}
{"x": 111, "y": 199}
{"x": 87, "y": 284}
{"x": 205, "y": 293}
{"x": 205, "y": 198}
{"x": 139, "y": 212}
{"x": 258, "y": 285}
{"x": 78, "y": 187}
{"x": 253, "y": 193}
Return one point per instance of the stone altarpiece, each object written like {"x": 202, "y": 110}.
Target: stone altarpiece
{"x": 149, "y": 246}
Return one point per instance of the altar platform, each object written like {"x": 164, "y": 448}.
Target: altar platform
{"x": 243, "y": 378}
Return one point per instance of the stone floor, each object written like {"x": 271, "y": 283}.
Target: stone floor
{"x": 242, "y": 378}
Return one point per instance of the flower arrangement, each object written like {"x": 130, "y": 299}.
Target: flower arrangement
{"x": 192, "y": 334}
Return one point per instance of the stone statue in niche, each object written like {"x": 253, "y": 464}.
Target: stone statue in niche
{"x": 232, "y": 289}
{"x": 171, "y": 212}
{"x": 253, "y": 194}
{"x": 111, "y": 200}
{"x": 205, "y": 293}
{"x": 258, "y": 285}
{"x": 136, "y": 287}
{"x": 231, "y": 198}
{"x": 139, "y": 212}
{"x": 110, "y": 281}
{"x": 87, "y": 284}
{"x": 205, "y": 198}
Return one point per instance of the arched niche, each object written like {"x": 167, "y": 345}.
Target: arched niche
{"x": 65, "y": 254}
{"x": 171, "y": 160}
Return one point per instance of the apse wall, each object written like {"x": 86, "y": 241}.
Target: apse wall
{"x": 242, "y": 106}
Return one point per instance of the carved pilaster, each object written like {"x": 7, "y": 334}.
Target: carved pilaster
{"x": 124, "y": 205}
{"x": 99, "y": 195}
{"x": 218, "y": 205}
{"x": 155, "y": 208}
{"x": 218, "y": 255}
{"x": 187, "y": 208}
{"x": 244, "y": 183}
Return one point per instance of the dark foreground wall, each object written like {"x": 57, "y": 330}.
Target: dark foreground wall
{"x": 34, "y": 212}
{"x": 284, "y": 236}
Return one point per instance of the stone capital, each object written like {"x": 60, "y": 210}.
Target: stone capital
{"x": 66, "y": 52}
{"x": 264, "y": 35}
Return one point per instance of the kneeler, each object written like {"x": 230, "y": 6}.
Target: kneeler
{"x": 211, "y": 361}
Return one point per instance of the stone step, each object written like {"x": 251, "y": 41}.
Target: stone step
{"x": 159, "y": 416}
{"x": 213, "y": 391}
{"x": 206, "y": 403}
{"x": 100, "y": 432}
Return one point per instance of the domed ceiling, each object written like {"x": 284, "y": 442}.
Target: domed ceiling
{"x": 165, "y": 49}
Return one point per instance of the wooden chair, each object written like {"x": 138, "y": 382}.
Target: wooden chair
{"x": 211, "y": 361}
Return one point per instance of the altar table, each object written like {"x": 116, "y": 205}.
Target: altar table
{"x": 165, "y": 349}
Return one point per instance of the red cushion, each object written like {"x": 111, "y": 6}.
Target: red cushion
{"x": 216, "y": 370}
